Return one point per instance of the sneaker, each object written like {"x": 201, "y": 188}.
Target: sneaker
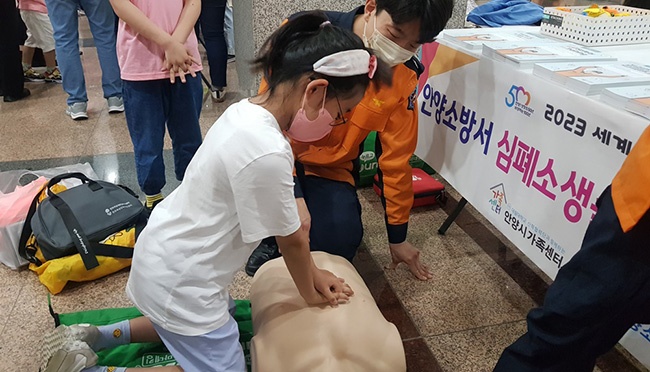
{"x": 218, "y": 95}
{"x": 31, "y": 75}
{"x": 78, "y": 111}
{"x": 71, "y": 357}
{"x": 76, "y": 332}
{"x": 54, "y": 76}
{"x": 266, "y": 251}
{"x": 63, "y": 349}
{"x": 115, "y": 105}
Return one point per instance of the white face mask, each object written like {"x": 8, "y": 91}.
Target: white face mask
{"x": 385, "y": 48}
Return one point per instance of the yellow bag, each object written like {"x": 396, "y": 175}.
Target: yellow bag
{"x": 56, "y": 273}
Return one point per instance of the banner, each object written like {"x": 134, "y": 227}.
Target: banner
{"x": 529, "y": 155}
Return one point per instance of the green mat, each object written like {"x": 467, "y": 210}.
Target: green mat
{"x": 148, "y": 354}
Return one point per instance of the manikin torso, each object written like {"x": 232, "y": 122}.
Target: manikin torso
{"x": 291, "y": 336}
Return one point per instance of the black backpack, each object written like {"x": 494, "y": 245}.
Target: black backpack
{"x": 77, "y": 219}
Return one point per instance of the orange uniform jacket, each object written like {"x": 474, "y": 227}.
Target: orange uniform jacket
{"x": 392, "y": 112}
{"x": 631, "y": 186}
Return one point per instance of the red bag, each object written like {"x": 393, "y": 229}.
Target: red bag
{"x": 427, "y": 190}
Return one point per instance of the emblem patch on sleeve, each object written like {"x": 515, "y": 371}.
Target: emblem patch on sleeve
{"x": 411, "y": 99}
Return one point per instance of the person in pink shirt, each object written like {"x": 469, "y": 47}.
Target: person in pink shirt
{"x": 159, "y": 61}
{"x": 39, "y": 35}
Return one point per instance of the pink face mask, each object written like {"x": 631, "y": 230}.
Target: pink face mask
{"x": 304, "y": 130}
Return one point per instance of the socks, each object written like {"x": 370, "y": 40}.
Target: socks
{"x": 152, "y": 200}
{"x": 49, "y": 69}
{"x": 26, "y": 66}
{"x": 110, "y": 336}
{"x": 104, "y": 369}
{"x": 113, "y": 335}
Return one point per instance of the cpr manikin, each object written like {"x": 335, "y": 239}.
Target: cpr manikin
{"x": 291, "y": 336}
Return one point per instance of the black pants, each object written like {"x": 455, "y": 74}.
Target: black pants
{"x": 336, "y": 226}
{"x": 595, "y": 298}
{"x": 211, "y": 20}
{"x": 335, "y": 211}
{"x": 11, "y": 32}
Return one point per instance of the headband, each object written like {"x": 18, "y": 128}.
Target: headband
{"x": 347, "y": 63}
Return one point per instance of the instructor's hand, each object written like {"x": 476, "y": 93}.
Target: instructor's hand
{"x": 407, "y": 253}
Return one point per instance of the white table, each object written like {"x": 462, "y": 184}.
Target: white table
{"x": 529, "y": 155}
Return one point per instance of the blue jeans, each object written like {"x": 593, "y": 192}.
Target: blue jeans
{"x": 229, "y": 30}
{"x": 149, "y": 106}
{"x": 65, "y": 23}
{"x": 212, "y": 27}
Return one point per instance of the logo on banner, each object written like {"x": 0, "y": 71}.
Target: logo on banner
{"x": 519, "y": 99}
{"x": 497, "y": 198}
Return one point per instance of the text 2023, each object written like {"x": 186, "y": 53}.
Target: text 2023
{"x": 567, "y": 120}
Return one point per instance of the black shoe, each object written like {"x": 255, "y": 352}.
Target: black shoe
{"x": 264, "y": 252}
{"x": 22, "y": 95}
{"x": 150, "y": 209}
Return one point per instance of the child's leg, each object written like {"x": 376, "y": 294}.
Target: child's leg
{"x": 225, "y": 353}
{"x": 45, "y": 37}
{"x": 108, "y": 336}
{"x": 39, "y": 34}
{"x": 142, "y": 330}
{"x": 102, "y": 25}
{"x": 218, "y": 350}
{"x": 28, "y": 56}
{"x": 134, "y": 330}
{"x": 69, "y": 345}
{"x": 50, "y": 59}
{"x": 146, "y": 107}
{"x": 29, "y": 18}
{"x": 28, "y": 45}
{"x": 183, "y": 121}
{"x": 214, "y": 351}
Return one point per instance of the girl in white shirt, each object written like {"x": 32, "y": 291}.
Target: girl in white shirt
{"x": 237, "y": 190}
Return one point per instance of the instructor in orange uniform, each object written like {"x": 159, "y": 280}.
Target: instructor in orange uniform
{"x": 326, "y": 170}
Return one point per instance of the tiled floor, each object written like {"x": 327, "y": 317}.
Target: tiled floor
{"x": 459, "y": 321}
